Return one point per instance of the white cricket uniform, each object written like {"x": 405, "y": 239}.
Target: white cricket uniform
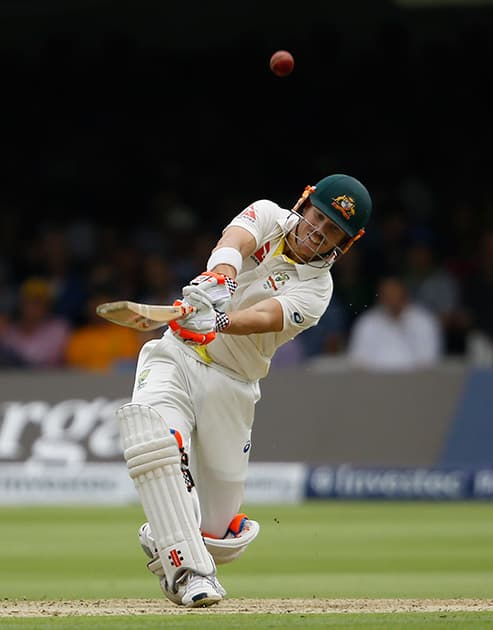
{"x": 209, "y": 393}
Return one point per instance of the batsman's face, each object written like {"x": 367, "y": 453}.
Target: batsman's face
{"x": 315, "y": 235}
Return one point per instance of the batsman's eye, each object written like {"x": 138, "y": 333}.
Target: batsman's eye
{"x": 334, "y": 231}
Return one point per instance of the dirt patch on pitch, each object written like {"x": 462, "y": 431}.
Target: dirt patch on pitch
{"x": 24, "y": 608}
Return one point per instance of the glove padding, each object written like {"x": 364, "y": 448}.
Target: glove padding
{"x": 189, "y": 336}
{"x": 203, "y": 319}
{"x": 200, "y": 326}
{"x": 216, "y": 286}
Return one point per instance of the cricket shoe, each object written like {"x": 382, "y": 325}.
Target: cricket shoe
{"x": 191, "y": 589}
{"x": 201, "y": 591}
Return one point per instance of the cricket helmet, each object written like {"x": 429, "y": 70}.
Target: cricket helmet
{"x": 345, "y": 201}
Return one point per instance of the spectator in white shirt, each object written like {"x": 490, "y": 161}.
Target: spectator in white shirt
{"x": 395, "y": 333}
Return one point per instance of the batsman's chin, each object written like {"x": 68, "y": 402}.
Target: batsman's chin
{"x": 303, "y": 253}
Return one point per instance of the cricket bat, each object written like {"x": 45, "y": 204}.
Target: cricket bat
{"x": 141, "y": 316}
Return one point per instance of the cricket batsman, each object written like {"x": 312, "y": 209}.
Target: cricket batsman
{"x": 186, "y": 432}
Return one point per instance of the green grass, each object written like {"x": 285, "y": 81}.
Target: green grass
{"x": 460, "y": 621}
{"x": 326, "y": 549}
{"x": 375, "y": 550}
{"x": 317, "y": 549}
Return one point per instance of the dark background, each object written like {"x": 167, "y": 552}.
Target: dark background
{"x": 105, "y": 104}
{"x": 129, "y": 128}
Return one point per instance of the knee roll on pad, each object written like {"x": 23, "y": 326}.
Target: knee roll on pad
{"x": 153, "y": 461}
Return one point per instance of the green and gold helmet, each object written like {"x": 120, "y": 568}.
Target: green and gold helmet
{"x": 346, "y": 201}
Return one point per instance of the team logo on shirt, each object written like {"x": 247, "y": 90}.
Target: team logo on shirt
{"x": 345, "y": 205}
{"x": 141, "y": 379}
{"x": 276, "y": 281}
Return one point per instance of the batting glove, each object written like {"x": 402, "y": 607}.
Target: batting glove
{"x": 200, "y": 327}
{"x": 203, "y": 319}
{"x": 205, "y": 316}
{"x": 191, "y": 333}
{"x": 216, "y": 286}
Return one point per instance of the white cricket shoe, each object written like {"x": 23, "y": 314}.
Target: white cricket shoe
{"x": 201, "y": 591}
{"x": 193, "y": 590}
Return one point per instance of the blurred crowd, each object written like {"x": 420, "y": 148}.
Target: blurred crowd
{"x": 415, "y": 290}
{"x": 122, "y": 158}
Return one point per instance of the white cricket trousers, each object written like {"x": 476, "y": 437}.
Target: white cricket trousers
{"x": 214, "y": 414}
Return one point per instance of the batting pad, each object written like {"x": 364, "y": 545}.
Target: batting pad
{"x": 153, "y": 461}
{"x": 226, "y": 550}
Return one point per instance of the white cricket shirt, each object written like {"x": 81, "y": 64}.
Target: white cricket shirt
{"x": 304, "y": 292}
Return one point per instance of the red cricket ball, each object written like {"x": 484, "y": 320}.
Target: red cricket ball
{"x": 282, "y": 63}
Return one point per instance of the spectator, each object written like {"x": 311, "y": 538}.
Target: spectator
{"x": 8, "y": 357}
{"x": 478, "y": 299}
{"x": 35, "y": 337}
{"x": 395, "y": 333}
{"x": 66, "y": 279}
{"x": 101, "y": 346}
{"x": 433, "y": 286}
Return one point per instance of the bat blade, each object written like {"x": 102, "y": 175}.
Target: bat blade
{"x": 141, "y": 316}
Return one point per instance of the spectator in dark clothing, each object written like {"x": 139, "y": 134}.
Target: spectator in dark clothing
{"x": 478, "y": 300}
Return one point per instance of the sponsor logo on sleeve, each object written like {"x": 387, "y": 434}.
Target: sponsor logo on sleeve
{"x": 297, "y": 317}
{"x": 249, "y": 214}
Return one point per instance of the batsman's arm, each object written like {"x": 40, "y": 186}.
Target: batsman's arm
{"x": 265, "y": 316}
{"x": 238, "y": 238}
